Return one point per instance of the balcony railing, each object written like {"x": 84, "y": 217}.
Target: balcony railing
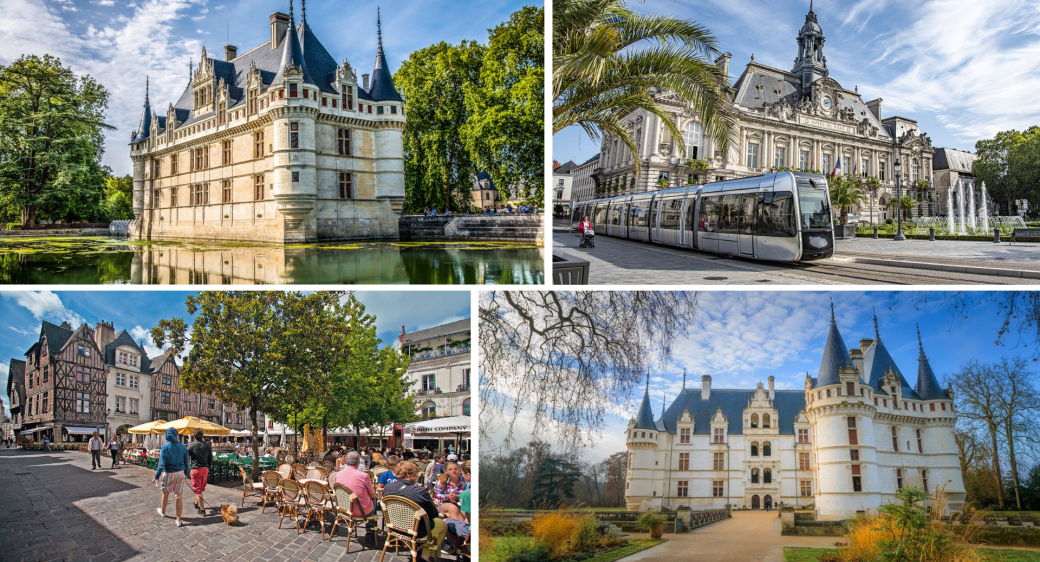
{"x": 433, "y": 391}
{"x": 439, "y": 354}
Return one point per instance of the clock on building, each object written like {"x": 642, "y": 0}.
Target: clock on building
{"x": 827, "y": 102}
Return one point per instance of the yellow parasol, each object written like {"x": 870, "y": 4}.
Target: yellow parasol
{"x": 145, "y": 428}
{"x": 188, "y": 424}
{"x": 318, "y": 441}
{"x": 306, "y": 438}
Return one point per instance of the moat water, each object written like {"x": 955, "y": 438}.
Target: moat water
{"x": 103, "y": 260}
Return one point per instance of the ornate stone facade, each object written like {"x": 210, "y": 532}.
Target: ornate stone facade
{"x": 801, "y": 119}
{"x": 855, "y": 435}
{"x": 279, "y": 144}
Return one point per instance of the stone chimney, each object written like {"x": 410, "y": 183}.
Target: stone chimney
{"x": 279, "y": 23}
{"x": 364, "y": 78}
{"x": 864, "y": 344}
{"x": 857, "y": 359}
{"x": 104, "y": 334}
{"x": 875, "y": 108}
{"x": 771, "y": 391}
{"x": 723, "y": 63}
{"x": 230, "y": 52}
{"x": 705, "y": 387}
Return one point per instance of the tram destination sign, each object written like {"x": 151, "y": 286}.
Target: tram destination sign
{"x": 824, "y": 124}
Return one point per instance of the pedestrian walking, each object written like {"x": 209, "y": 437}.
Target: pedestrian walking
{"x": 174, "y": 469}
{"x": 95, "y": 451}
{"x": 114, "y": 446}
{"x": 200, "y": 456}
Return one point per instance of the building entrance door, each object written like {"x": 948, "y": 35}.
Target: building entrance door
{"x": 755, "y": 503}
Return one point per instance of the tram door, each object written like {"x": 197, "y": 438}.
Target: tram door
{"x": 746, "y": 223}
{"x": 655, "y": 220}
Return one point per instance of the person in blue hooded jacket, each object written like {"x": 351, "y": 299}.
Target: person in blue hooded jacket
{"x": 174, "y": 468}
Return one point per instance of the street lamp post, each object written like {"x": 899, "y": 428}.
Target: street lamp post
{"x": 898, "y": 167}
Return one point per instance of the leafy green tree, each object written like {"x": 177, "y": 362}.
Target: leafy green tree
{"x": 245, "y": 346}
{"x": 607, "y": 58}
{"x": 439, "y": 169}
{"x": 845, "y": 192}
{"x": 51, "y": 141}
{"x": 1009, "y": 163}
{"x": 119, "y": 193}
{"x": 505, "y": 133}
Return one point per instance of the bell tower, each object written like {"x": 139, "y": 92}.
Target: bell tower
{"x": 810, "y": 63}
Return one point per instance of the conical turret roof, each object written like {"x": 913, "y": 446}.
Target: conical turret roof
{"x": 928, "y": 387}
{"x": 645, "y": 416}
{"x": 382, "y": 81}
{"x": 292, "y": 54}
{"x": 877, "y": 362}
{"x": 835, "y": 356}
{"x": 144, "y": 129}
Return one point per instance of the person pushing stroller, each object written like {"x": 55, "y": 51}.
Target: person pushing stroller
{"x": 588, "y": 236}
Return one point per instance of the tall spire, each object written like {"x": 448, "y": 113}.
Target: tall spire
{"x": 146, "y": 89}
{"x": 920, "y": 344}
{"x": 303, "y": 11}
{"x": 835, "y": 356}
{"x": 927, "y": 387}
{"x": 290, "y": 12}
{"x": 379, "y": 31}
{"x": 684, "y": 379}
{"x": 144, "y": 129}
{"x": 292, "y": 53}
{"x": 832, "y": 312}
{"x": 382, "y": 81}
{"x": 810, "y": 63}
{"x": 877, "y": 333}
{"x": 191, "y": 63}
{"x": 645, "y": 416}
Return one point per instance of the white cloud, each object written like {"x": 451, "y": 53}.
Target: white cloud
{"x": 45, "y": 305}
{"x": 20, "y": 331}
{"x": 106, "y": 2}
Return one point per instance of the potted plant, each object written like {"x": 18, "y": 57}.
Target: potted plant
{"x": 653, "y": 523}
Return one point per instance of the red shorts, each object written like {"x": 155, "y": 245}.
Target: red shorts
{"x": 198, "y": 479}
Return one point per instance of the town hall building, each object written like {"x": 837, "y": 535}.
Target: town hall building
{"x": 800, "y": 119}
{"x": 845, "y": 444}
{"x": 278, "y": 144}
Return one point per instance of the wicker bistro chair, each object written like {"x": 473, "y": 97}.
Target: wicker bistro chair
{"x": 249, "y": 488}
{"x": 285, "y": 470}
{"x": 292, "y": 500}
{"x": 344, "y": 512}
{"x": 318, "y": 503}
{"x": 299, "y": 471}
{"x": 271, "y": 491}
{"x": 402, "y": 518}
{"x": 332, "y": 478}
{"x": 329, "y": 466}
{"x": 289, "y": 459}
{"x": 378, "y": 469}
{"x": 315, "y": 473}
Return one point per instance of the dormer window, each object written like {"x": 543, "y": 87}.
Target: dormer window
{"x": 292, "y": 91}
{"x": 252, "y": 101}
{"x": 348, "y": 98}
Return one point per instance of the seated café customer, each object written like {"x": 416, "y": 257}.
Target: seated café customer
{"x": 361, "y": 485}
{"x": 389, "y": 476}
{"x": 457, "y": 517}
{"x": 446, "y": 490}
{"x": 405, "y": 487}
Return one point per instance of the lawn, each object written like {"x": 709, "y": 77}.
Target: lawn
{"x": 800, "y": 554}
{"x": 508, "y": 545}
{"x": 518, "y": 509}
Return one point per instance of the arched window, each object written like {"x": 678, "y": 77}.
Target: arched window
{"x": 754, "y": 476}
{"x": 915, "y": 169}
{"x": 693, "y": 136}
{"x": 465, "y": 407}
{"x": 754, "y": 449}
{"x": 767, "y": 476}
{"x": 754, "y": 420}
{"x": 429, "y": 409}
{"x": 766, "y": 449}
{"x": 765, "y": 421}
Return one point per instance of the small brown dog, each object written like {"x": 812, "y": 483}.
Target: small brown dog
{"x": 229, "y": 513}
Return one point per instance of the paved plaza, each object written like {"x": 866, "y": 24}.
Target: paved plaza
{"x": 56, "y": 508}
{"x": 749, "y": 536}
{"x": 856, "y": 262}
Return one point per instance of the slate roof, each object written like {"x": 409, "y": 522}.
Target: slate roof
{"x": 483, "y": 176}
{"x": 876, "y": 363}
{"x": 835, "y": 356}
{"x": 299, "y": 45}
{"x": 952, "y": 159}
{"x": 790, "y": 86}
{"x": 123, "y": 338}
{"x": 56, "y": 335}
{"x": 567, "y": 168}
{"x": 436, "y": 331}
{"x": 927, "y": 387}
{"x": 788, "y": 404}
{"x": 15, "y": 375}
{"x": 144, "y": 128}
{"x": 645, "y": 415}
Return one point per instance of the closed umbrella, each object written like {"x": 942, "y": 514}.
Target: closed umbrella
{"x": 283, "y": 443}
{"x": 319, "y": 444}
{"x": 306, "y": 438}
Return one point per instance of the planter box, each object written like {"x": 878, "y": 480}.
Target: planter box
{"x": 845, "y": 232}
{"x": 570, "y": 271}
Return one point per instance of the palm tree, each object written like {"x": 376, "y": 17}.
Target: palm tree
{"x": 607, "y": 60}
{"x": 845, "y": 192}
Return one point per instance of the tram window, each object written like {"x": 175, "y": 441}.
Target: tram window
{"x": 735, "y": 212}
{"x": 637, "y": 215}
{"x": 654, "y": 212}
{"x": 776, "y": 214}
{"x": 615, "y": 215}
{"x": 815, "y": 204}
{"x": 671, "y": 214}
{"x": 601, "y": 214}
{"x": 709, "y": 215}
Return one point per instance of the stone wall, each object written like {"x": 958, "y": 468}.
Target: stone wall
{"x": 526, "y": 228}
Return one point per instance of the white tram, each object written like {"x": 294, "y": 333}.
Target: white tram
{"x": 784, "y": 216}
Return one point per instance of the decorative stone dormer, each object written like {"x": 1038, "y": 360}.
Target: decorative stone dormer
{"x": 892, "y": 386}
{"x": 760, "y": 416}
{"x": 684, "y": 427}
{"x": 204, "y": 85}
{"x": 346, "y": 78}
{"x": 253, "y": 89}
{"x": 223, "y": 101}
{"x": 719, "y": 426}
{"x": 851, "y": 383}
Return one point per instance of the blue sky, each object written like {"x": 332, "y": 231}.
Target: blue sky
{"x": 964, "y": 69}
{"x": 741, "y": 338}
{"x": 138, "y": 311}
{"x": 119, "y": 42}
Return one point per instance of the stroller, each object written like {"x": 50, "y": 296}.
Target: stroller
{"x": 588, "y": 239}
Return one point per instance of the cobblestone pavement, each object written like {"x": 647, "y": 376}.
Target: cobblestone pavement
{"x": 749, "y": 536}
{"x": 56, "y": 508}
{"x": 1019, "y": 256}
{"x": 624, "y": 262}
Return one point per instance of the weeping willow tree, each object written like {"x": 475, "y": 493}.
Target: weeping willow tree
{"x": 608, "y": 60}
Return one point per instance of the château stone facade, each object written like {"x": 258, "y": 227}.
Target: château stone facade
{"x": 279, "y": 144}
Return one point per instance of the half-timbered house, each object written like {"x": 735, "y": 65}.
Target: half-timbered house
{"x": 166, "y": 387}
{"x": 16, "y": 393}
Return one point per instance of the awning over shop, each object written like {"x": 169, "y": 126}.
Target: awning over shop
{"x": 35, "y": 429}
{"x": 83, "y": 430}
{"x": 448, "y": 427}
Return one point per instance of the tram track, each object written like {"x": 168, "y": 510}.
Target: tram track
{"x": 881, "y": 275}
